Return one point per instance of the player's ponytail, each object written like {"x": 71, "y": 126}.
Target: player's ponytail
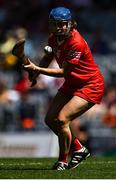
{"x": 74, "y": 24}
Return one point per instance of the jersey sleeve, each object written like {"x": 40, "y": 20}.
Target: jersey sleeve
{"x": 74, "y": 53}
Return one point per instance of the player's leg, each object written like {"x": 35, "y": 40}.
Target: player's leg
{"x": 63, "y": 110}
{"x": 56, "y": 105}
{"x": 74, "y": 108}
{"x": 80, "y": 131}
{"x": 51, "y": 120}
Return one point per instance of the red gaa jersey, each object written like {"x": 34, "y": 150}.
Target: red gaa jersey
{"x": 75, "y": 50}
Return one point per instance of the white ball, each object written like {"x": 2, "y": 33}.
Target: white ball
{"x": 48, "y": 49}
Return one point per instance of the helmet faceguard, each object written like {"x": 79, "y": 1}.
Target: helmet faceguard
{"x": 60, "y": 21}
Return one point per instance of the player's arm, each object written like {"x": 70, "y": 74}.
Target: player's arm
{"x": 46, "y": 71}
{"x": 49, "y": 71}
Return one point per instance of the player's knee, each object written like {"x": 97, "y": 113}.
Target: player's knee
{"x": 62, "y": 121}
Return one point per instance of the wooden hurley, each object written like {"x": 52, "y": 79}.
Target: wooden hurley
{"x": 18, "y": 50}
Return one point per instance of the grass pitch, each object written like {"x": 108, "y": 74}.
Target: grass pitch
{"x": 40, "y": 168}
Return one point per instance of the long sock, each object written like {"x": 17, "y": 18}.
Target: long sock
{"x": 76, "y": 145}
{"x": 63, "y": 157}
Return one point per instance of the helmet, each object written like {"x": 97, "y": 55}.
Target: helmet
{"x": 57, "y": 18}
{"x": 61, "y": 14}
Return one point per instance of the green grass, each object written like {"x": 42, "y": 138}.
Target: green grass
{"x": 40, "y": 168}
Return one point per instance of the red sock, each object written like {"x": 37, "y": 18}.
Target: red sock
{"x": 76, "y": 145}
{"x": 63, "y": 157}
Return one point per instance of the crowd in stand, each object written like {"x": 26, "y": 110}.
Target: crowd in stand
{"x": 23, "y": 108}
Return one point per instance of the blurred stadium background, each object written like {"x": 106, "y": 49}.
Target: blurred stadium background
{"x": 22, "y": 109}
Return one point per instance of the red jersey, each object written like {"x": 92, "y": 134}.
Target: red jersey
{"x": 75, "y": 50}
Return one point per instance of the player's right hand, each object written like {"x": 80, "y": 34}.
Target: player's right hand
{"x": 30, "y": 66}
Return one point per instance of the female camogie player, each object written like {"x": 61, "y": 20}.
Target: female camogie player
{"x": 82, "y": 89}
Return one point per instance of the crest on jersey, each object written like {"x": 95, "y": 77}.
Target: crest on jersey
{"x": 73, "y": 54}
